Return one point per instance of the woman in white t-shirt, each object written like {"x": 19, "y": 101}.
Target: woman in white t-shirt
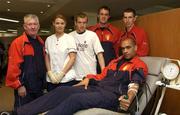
{"x": 60, "y": 56}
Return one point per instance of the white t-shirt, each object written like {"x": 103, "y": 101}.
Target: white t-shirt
{"x": 88, "y": 46}
{"x": 58, "y": 50}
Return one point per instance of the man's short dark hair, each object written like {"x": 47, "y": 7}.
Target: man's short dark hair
{"x": 130, "y": 10}
{"x": 130, "y": 36}
{"x": 80, "y": 15}
{"x": 104, "y": 7}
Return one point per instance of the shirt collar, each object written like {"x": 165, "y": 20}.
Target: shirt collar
{"x": 130, "y": 61}
{"x": 27, "y": 40}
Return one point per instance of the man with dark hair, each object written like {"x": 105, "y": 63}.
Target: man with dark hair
{"x": 133, "y": 11}
{"x": 123, "y": 76}
{"x": 108, "y": 34}
{"x": 129, "y": 18}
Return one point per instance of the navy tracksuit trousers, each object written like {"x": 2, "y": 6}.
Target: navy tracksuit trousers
{"x": 20, "y": 101}
{"x": 68, "y": 100}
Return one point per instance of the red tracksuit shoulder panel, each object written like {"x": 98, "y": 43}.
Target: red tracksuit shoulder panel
{"x": 135, "y": 63}
{"x": 111, "y": 65}
{"x": 141, "y": 40}
{"x": 18, "y": 48}
{"x": 15, "y": 58}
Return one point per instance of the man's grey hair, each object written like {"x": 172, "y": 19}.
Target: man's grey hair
{"x": 30, "y": 16}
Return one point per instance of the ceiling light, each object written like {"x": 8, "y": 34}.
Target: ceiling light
{"x": 41, "y": 12}
{"x": 2, "y": 31}
{"x": 9, "y": 20}
{"x": 8, "y": 2}
{"x": 8, "y": 10}
{"x": 44, "y": 31}
{"x": 14, "y": 32}
{"x": 70, "y": 29}
{"x": 48, "y": 5}
{"x": 11, "y": 30}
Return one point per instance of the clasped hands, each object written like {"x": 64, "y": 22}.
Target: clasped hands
{"x": 56, "y": 77}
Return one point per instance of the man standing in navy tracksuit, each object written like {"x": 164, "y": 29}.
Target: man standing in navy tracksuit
{"x": 123, "y": 76}
{"x": 107, "y": 34}
{"x": 26, "y": 67}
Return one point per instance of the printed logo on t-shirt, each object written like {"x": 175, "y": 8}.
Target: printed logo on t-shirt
{"x": 81, "y": 46}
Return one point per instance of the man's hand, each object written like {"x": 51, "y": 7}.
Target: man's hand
{"x": 124, "y": 103}
{"x": 22, "y": 91}
{"x": 84, "y": 82}
{"x": 59, "y": 76}
{"x": 52, "y": 77}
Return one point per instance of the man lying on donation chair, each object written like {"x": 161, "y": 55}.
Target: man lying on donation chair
{"x": 114, "y": 88}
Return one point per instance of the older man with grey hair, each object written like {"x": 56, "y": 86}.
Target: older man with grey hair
{"x": 26, "y": 67}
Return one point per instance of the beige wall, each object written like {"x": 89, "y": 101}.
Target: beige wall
{"x": 6, "y": 99}
{"x": 163, "y": 29}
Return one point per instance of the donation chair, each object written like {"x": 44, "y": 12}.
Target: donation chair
{"x": 154, "y": 74}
